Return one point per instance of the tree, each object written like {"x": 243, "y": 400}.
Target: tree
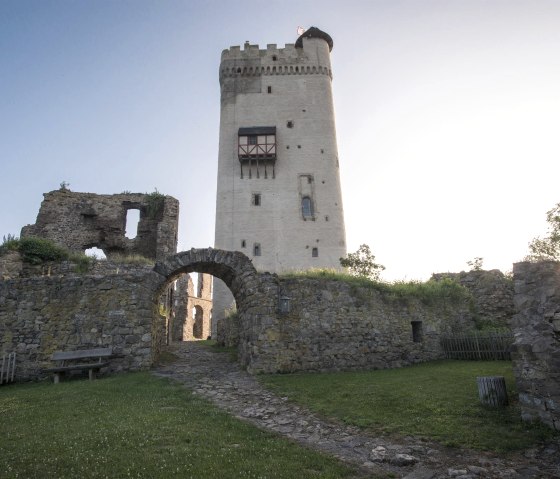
{"x": 362, "y": 263}
{"x": 549, "y": 246}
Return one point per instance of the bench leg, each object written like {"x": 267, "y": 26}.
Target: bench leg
{"x": 91, "y": 374}
{"x": 56, "y": 378}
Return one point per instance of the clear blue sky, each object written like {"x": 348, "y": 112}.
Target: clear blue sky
{"x": 448, "y": 114}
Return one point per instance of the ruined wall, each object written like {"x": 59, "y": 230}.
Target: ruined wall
{"x": 333, "y": 325}
{"x": 78, "y": 221}
{"x": 42, "y": 314}
{"x": 492, "y": 292}
{"x": 199, "y": 309}
{"x": 536, "y": 351}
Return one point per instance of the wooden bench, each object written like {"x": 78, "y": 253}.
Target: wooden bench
{"x": 83, "y": 359}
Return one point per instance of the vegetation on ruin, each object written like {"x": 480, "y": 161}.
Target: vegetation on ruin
{"x": 437, "y": 401}
{"x": 428, "y": 292}
{"x": 155, "y": 202}
{"x": 362, "y": 264}
{"x": 40, "y": 251}
{"x": 549, "y": 246}
{"x": 136, "y": 425}
{"x": 133, "y": 259}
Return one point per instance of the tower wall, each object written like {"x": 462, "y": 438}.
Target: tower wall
{"x": 289, "y": 89}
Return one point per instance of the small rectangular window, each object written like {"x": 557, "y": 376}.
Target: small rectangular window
{"x": 243, "y": 243}
{"x": 290, "y": 124}
{"x": 252, "y": 139}
{"x": 257, "y": 249}
{"x": 315, "y": 252}
{"x": 269, "y": 89}
{"x": 416, "y": 331}
{"x": 256, "y": 199}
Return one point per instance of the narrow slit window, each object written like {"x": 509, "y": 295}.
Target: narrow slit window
{"x": 307, "y": 207}
{"x": 257, "y": 249}
{"x": 243, "y": 243}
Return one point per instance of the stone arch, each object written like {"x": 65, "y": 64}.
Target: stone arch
{"x": 234, "y": 268}
{"x": 256, "y": 294}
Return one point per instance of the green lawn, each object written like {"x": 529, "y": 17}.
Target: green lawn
{"x": 136, "y": 425}
{"x": 437, "y": 400}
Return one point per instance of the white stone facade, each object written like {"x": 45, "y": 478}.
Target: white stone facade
{"x": 283, "y": 210}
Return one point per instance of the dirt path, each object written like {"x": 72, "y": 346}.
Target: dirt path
{"x": 212, "y": 375}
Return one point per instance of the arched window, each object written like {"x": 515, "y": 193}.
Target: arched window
{"x": 307, "y": 207}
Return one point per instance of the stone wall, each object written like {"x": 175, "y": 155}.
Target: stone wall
{"x": 333, "y": 325}
{"x": 78, "y": 221}
{"x": 42, "y": 314}
{"x": 492, "y": 293}
{"x": 536, "y": 352}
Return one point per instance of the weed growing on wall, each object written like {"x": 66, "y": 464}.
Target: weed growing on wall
{"x": 155, "y": 202}
{"x": 9, "y": 243}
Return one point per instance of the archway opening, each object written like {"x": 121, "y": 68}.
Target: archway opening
{"x": 234, "y": 270}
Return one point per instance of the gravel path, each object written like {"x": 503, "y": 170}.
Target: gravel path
{"x": 214, "y": 376}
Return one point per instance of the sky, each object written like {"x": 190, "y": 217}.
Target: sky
{"x": 447, "y": 112}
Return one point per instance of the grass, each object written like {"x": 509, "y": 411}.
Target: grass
{"x": 136, "y": 425}
{"x": 436, "y": 400}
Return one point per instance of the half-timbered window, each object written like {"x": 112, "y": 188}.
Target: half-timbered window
{"x": 257, "y": 143}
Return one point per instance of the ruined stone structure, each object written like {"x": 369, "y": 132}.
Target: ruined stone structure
{"x": 78, "y": 221}
{"x": 199, "y": 309}
{"x": 536, "y": 352}
{"x": 279, "y": 198}
{"x": 192, "y": 309}
{"x": 492, "y": 293}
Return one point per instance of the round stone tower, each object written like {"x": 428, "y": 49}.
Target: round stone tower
{"x": 278, "y": 197}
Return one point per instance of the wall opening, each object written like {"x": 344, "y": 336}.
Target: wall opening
{"x": 132, "y": 220}
{"x": 416, "y": 331}
{"x": 95, "y": 253}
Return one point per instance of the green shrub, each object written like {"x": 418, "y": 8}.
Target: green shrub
{"x": 38, "y": 250}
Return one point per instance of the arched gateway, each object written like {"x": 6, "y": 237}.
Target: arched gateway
{"x": 256, "y": 294}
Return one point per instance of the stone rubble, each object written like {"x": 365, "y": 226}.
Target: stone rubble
{"x": 214, "y": 376}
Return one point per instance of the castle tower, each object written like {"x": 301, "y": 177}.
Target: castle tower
{"x": 278, "y": 196}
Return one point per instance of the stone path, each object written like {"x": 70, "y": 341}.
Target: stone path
{"x": 214, "y": 376}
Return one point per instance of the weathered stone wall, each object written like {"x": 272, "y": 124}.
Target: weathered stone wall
{"x": 42, "y": 314}
{"x": 333, "y": 325}
{"x": 492, "y": 293}
{"x": 78, "y": 221}
{"x": 536, "y": 351}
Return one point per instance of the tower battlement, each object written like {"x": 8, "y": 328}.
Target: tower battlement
{"x": 310, "y": 55}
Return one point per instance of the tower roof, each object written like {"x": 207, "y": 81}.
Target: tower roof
{"x": 314, "y": 32}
